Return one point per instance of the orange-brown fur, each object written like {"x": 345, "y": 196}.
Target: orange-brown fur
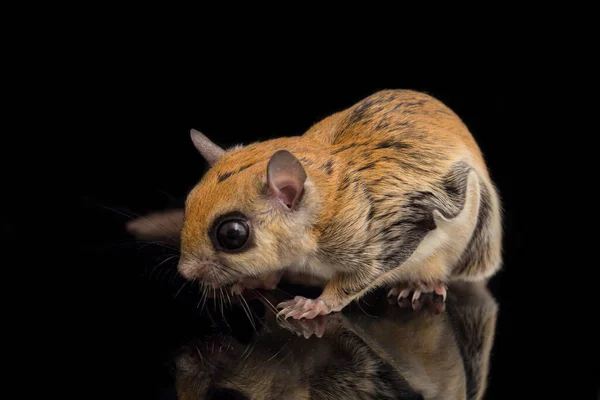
{"x": 378, "y": 173}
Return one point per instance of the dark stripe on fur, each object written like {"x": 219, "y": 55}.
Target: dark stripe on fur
{"x": 403, "y": 236}
{"x": 224, "y": 176}
{"x": 328, "y": 167}
{"x": 227, "y": 175}
{"x": 390, "y": 143}
{"x": 401, "y": 223}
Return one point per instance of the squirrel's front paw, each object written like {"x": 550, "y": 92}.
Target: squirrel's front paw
{"x": 301, "y": 307}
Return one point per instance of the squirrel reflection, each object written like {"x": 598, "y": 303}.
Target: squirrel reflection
{"x": 392, "y": 353}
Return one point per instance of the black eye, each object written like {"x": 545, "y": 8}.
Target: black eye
{"x": 233, "y": 234}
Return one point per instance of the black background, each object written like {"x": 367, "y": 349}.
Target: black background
{"x": 134, "y": 112}
{"x": 97, "y": 107}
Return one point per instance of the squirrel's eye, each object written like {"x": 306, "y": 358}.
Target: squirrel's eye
{"x": 233, "y": 234}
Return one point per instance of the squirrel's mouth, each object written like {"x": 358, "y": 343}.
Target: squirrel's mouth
{"x": 215, "y": 276}
{"x": 209, "y": 272}
{"x": 267, "y": 281}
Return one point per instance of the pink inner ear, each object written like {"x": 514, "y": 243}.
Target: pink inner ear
{"x": 286, "y": 178}
{"x": 288, "y": 195}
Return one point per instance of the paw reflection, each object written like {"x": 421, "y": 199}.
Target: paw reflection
{"x": 306, "y": 327}
{"x": 434, "y": 349}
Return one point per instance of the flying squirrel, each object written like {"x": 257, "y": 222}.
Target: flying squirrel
{"x": 393, "y": 191}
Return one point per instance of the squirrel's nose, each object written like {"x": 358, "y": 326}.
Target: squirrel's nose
{"x": 191, "y": 270}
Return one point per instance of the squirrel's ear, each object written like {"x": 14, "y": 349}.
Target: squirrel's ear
{"x": 286, "y": 178}
{"x": 210, "y": 151}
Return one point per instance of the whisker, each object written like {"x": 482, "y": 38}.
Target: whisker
{"x": 272, "y": 307}
{"x": 168, "y": 195}
{"x": 228, "y": 298}
{"x": 165, "y": 273}
{"x": 258, "y": 319}
{"x": 222, "y": 312}
{"x": 146, "y": 243}
{"x": 203, "y": 298}
{"x": 199, "y": 353}
{"x": 227, "y": 274}
{"x": 363, "y": 310}
{"x": 250, "y": 352}
{"x": 191, "y": 283}
{"x": 204, "y": 301}
{"x": 287, "y": 355}
{"x": 251, "y": 313}
{"x": 215, "y": 298}
{"x": 210, "y": 316}
{"x": 222, "y": 268}
{"x": 174, "y": 276}
{"x": 245, "y": 350}
{"x": 279, "y": 351}
{"x": 153, "y": 242}
{"x": 246, "y": 311}
{"x": 181, "y": 288}
{"x": 284, "y": 292}
{"x": 221, "y": 301}
{"x": 161, "y": 263}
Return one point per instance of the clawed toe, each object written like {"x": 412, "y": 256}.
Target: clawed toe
{"x": 306, "y": 327}
{"x": 301, "y": 307}
{"x": 440, "y": 289}
{"x": 402, "y": 293}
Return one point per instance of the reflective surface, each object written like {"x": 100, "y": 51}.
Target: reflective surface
{"x": 132, "y": 323}
{"x": 376, "y": 349}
